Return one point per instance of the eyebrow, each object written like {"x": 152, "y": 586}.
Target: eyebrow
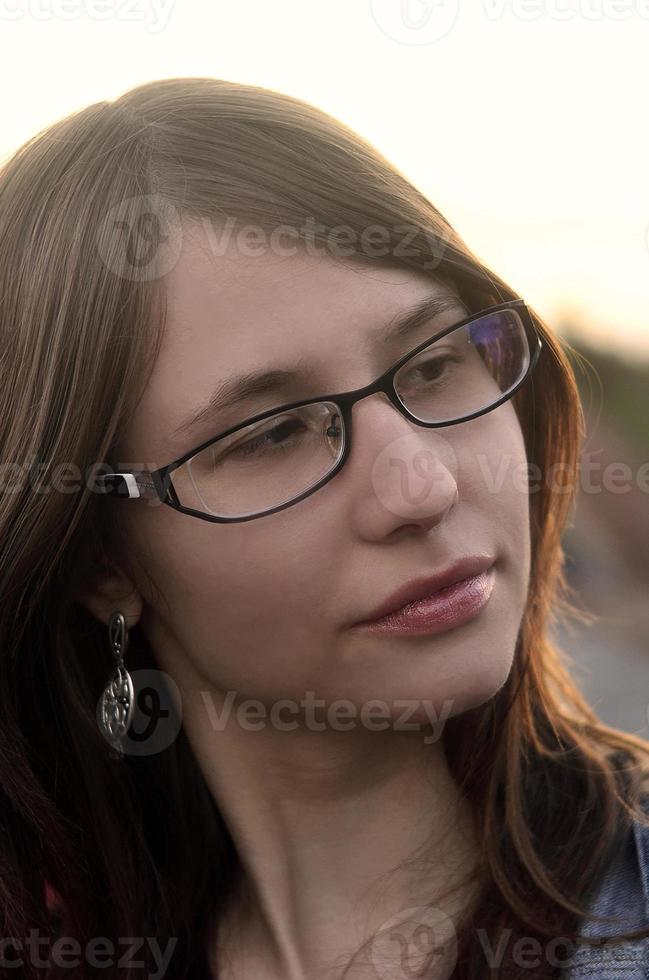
{"x": 254, "y": 383}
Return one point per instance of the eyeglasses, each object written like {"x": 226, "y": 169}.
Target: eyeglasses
{"x": 279, "y": 457}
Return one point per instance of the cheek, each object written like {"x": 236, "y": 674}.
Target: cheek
{"x": 493, "y": 474}
{"x": 498, "y": 487}
{"x": 241, "y": 608}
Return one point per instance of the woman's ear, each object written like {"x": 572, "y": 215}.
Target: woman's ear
{"x": 111, "y": 590}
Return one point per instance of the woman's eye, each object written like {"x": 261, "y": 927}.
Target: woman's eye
{"x": 274, "y": 439}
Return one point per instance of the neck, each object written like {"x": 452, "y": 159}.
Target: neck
{"x": 338, "y": 832}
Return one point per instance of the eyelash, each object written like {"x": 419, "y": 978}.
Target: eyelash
{"x": 252, "y": 445}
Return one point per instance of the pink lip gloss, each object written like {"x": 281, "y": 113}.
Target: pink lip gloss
{"x": 443, "y": 610}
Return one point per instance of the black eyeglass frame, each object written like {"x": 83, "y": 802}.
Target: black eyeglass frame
{"x": 158, "y": 484}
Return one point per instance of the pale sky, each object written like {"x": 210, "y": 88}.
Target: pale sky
{"x": 525, "y": 121}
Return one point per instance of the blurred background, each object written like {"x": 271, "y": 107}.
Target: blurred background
{"x": 524, "y": 122}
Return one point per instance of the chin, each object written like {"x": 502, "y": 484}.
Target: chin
{"x": 452, "y": 683}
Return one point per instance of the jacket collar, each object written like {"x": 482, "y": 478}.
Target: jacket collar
{"x": 623, "y": 892}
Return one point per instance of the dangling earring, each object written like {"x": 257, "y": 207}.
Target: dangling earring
{"x": 117, "y": 698}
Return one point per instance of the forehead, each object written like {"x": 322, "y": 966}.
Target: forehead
{"x": 229, "y": 311}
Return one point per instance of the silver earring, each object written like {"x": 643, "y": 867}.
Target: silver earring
{"x": 117, "y": 698}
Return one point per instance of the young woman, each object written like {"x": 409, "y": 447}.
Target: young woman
{"x": 257, "y": 397}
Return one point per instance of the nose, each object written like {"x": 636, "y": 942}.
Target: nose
{"x": 406, "y": 473}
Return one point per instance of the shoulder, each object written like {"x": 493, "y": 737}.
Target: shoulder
{"x": 641, "y": 836}
{"x": 623, "y": 893}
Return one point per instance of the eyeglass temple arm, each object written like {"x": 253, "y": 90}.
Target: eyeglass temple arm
{"x": 137, "y": 483}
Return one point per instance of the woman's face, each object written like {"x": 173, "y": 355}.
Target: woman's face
{"x": 263, "y": 608}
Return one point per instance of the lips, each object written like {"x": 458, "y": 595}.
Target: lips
{"x": 419, "y": 588}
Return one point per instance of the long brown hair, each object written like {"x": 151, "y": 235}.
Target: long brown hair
{"x": 125, "y": 844}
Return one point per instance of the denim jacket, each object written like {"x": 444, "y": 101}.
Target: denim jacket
{"x": 624, "y": 892}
